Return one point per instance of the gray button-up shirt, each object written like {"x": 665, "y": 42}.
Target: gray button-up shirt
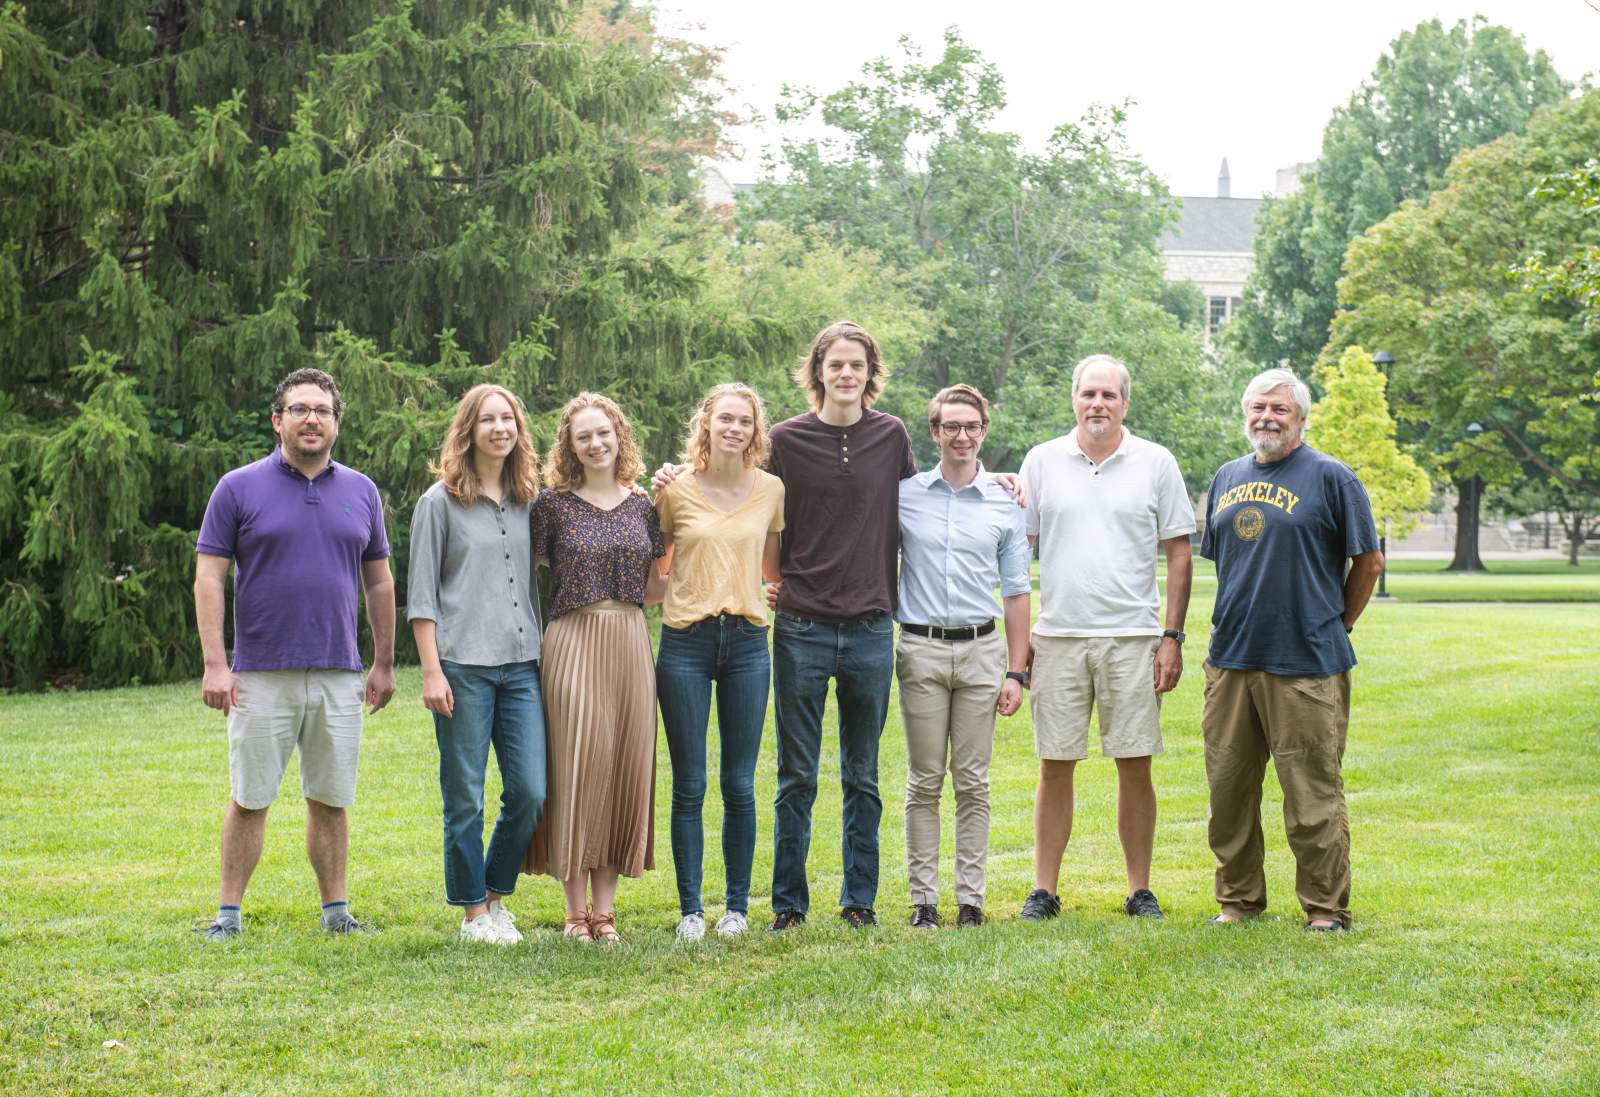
{"x": 471, "y": 574}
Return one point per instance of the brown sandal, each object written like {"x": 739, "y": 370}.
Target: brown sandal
{"x": 578, "y": 929}
{"x": 603, "y": 927}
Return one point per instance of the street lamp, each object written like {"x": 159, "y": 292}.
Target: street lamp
{"x": 1382, "y": 360}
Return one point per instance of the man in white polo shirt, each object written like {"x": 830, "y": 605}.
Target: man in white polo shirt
{"x": 1100, "y": 503}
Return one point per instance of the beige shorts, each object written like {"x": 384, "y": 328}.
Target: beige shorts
{"x": 1074, "y": 675}
{"x": 318, "y": 710}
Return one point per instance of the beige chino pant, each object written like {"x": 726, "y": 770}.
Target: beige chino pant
{"x": 1301, "y": 724}
{"x": 948, "y": 690}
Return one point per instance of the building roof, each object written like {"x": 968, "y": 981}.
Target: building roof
{"x": 1213, "y": 225}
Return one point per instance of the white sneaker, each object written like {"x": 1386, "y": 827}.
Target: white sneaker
{"x": 505, "y": 922}
{"x": 483, "y": 931}
{"x": 732, "y": 924}
{"x": 692, "y": 928}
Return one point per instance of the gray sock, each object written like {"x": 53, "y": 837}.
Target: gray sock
{"x": 336, "y": 918}
{"x": 228, "y": 916}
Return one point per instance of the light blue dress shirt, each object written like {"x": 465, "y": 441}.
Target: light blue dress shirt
{"x": 955, "y": 546}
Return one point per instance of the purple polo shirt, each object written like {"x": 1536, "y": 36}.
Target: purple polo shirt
{"x": 297, "y": 547}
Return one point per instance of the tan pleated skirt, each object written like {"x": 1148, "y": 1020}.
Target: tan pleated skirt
{"x": 599, "y": 686}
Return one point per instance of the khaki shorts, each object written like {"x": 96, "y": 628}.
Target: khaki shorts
{"x": 320, "y": 710}
{"x": 1073, "y": 675}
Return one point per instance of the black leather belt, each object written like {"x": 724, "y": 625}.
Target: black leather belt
{"x": 966, "y": 632}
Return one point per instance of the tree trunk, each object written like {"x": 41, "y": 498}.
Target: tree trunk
{"x": 1468, "y": 492}
{"x": 1574, "y": 538}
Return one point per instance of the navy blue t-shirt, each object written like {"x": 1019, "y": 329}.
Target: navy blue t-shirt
{"x": 1281, "y": 535}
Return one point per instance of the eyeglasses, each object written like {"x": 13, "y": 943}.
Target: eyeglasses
{"x": 955, "y": 430}
{"x": 300, "y": 413}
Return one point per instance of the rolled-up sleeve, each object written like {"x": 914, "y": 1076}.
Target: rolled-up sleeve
{"x": 1016, "y": 556}
{"x": 427, "y": 557}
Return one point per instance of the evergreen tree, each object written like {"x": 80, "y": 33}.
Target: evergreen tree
{"x": 202, "y": 195}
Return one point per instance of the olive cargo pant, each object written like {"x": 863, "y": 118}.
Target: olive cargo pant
{"x": 1301, "y": 724}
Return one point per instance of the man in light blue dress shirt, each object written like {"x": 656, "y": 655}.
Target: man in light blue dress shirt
{"x": 961, "y": 535}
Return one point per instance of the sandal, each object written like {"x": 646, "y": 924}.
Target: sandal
{"x": 577, "y": 929}
{"x": 603, "y": 927}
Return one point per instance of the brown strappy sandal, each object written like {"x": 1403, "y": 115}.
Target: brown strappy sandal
{"x": 578, "y": 929}
{"x": 603, "y": 927}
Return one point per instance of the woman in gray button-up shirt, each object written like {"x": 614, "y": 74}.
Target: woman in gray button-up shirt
{"x": 474, "y": 611}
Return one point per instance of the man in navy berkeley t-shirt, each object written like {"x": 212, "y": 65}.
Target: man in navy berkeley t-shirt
{"x": 1281, "y": 525}
{"x": 305, "y": 538}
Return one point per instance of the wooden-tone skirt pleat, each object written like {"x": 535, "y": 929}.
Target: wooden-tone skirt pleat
{"x": 599, "y": 686}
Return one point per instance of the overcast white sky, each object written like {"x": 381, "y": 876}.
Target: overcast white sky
{"x": 1251, "y": 80}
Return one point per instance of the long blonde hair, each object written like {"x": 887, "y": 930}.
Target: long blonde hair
{"x": 519, "y": 476}
{"x": 563, "y": 469}
{"x": 697, "y": 441}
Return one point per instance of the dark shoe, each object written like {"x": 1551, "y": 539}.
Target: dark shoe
{"x": 786, "y": 919}
{"x": 1337, "y": 927}
{"x": 1142, "y": 904}
{"x": 969, "y": 915}
{"x": 858, "y": 917}
{"x": 924, "y": 916}
{"x": 1040, "y": 905}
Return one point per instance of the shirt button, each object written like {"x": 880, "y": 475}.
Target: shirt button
{"x": 508, "y": 556}
{"x": 514, "y": 606}
{"x": 845, "y": 448}
{"x": 847, "y": 460}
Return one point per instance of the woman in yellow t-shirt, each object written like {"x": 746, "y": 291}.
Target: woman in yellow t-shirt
{"x": 721, "y": 524}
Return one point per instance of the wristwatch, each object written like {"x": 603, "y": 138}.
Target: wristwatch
{"x": 1175, "y": 634}
{"x": 1021, "y": 677}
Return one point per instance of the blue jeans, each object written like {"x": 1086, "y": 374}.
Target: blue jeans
{"x": 731, "y": 652}
{"x": 859, "y": 656}
{"x": 498, "y": 705}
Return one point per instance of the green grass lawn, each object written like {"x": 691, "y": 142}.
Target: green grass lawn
{"x": 1504, "y": 581}
{"x": 1474, "y": 967}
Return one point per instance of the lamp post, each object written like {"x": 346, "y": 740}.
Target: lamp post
{"x": 1383, "y": 359}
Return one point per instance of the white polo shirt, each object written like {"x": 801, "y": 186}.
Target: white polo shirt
{"x": 1099, "y": 528}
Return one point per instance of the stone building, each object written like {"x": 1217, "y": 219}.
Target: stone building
{"x": 1211, "y": 247}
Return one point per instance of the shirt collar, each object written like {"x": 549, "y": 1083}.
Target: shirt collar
{"x": 979, "y": 482}
{"x": 284, "y": 466}
{"x": 1077, "y": 450}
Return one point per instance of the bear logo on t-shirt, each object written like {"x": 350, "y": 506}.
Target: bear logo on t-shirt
{"x": 1248, "y": 523}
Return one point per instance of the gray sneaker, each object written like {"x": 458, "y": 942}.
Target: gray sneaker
{"x": 219, "y": 931}
{"x": 344, "y": 923}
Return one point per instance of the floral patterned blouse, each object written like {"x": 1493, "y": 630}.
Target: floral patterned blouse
{"x": 595, "y": 555}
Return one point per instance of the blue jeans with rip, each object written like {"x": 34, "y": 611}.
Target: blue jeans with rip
{"x": 858, "y": 656}
{"x": 500, "y": 706}
{"x": 732, "y": 653}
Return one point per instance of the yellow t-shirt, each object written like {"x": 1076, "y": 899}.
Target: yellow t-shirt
{"x": 716, "y": 561}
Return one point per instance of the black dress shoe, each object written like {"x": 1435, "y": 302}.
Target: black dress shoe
{"x": 969, "y": 915}
{"x": 1040, "y": 905}
{"x": 786, "y": 919}
{"x": 858, "y": 917}
{"x": 924, "y": 916}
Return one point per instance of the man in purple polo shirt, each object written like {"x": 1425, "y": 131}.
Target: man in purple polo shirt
{"x": 305, "y": 537}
